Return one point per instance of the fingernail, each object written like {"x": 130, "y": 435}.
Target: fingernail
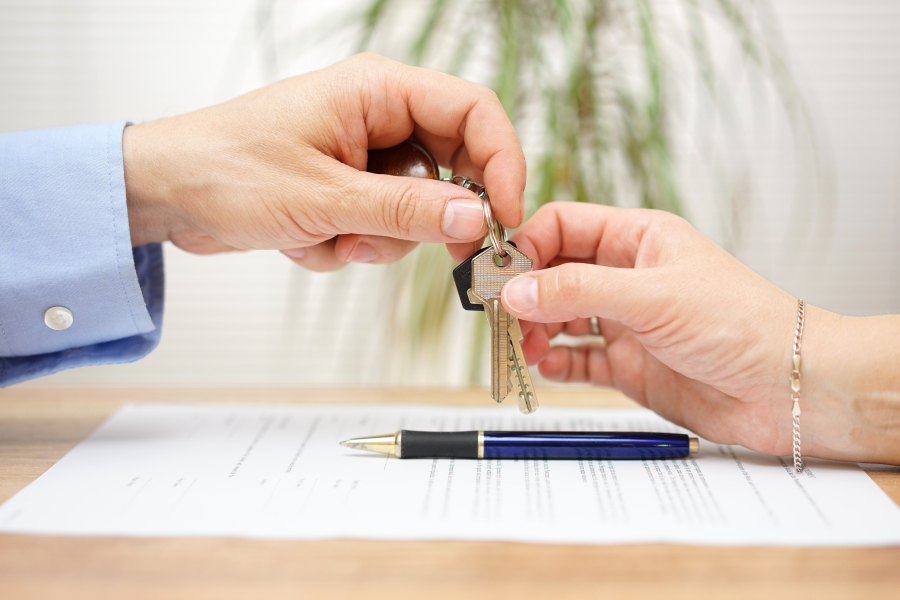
{"x": 362, "y": 253}
{"x": 463, "y": 219}
{"x": 295, "y": 252}
{"x": 521, "y": 294}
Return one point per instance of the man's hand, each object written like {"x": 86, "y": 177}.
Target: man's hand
{"x": 283, "y": 167}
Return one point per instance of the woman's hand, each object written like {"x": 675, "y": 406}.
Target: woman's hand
{"x": 283, "y": 167}
{"x": 698, "y": 337}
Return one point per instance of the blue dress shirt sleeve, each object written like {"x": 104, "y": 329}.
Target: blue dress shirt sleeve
{"x": 65, "y": 242}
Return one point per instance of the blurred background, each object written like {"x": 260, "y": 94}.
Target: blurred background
{"x": 789, "y": 158}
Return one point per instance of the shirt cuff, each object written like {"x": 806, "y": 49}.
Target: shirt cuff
{"x": 148, "y": 261}
{"x": 65, "y": 242}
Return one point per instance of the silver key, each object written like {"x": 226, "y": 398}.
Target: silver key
{"x": 490, "y": 272}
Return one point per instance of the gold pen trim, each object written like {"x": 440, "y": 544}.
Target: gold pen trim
{"x": 385, "y": 444}
{"x": 480, "y": 444}
{"x": 693, "y": 446}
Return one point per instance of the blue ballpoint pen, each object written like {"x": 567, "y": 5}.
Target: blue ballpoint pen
{"x": 565, "y": 445}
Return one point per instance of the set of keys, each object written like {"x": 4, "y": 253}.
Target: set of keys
{"x": 480, "y": 278}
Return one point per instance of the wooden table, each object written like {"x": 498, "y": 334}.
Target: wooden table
{"x": 38, "y": 426}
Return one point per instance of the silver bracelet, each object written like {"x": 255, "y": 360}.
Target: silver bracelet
{"x": 795, "y": 386}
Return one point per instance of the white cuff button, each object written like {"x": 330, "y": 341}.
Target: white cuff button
{"x": 58, "y": 318}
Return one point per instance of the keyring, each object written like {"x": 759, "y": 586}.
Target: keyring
{"x": 492, "y": 226}
{"x": 492, "y": 230}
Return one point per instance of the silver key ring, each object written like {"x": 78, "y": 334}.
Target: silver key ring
{"x": 492, "y": 231}
{"x": 492, "y": 226}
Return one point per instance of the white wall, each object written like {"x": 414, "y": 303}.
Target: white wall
{"x": 847, "y": 59}
{"x": 255, "y": 319}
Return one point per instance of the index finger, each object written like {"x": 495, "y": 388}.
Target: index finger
{"x": 447, "y": 113}
{"x": 579, "y": 232}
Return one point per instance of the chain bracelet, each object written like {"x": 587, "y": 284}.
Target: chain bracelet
{"x": 496, "y": 230}
{"x": 795, "y": 385}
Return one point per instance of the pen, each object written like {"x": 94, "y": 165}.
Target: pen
{"x": 616, "y": 445}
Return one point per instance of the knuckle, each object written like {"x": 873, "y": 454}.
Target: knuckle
{"x": 569, "y": 280}
{"x": 490, "y": 94}
{"x": 670, "y": 227}
{"x": 547, "y": 210}
{"x": 476, "y": 91}
{"x": 667, "y": 219}
{"x": 367, "y": 58}
{"x": 360, "y": 69}
{"x": 400, "y": 214}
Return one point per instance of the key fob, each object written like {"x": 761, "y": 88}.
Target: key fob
{"x": 462, "y": 277}
{"x": 407, "y": 159}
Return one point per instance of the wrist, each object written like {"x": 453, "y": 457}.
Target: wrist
{"x": 150, "y": 217}
{"x": 850, "y": 397}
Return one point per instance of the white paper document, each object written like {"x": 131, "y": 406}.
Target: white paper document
{"x": 276, "y": 471}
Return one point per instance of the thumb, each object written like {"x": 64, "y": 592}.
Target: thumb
{"x": 580, "y": 290}
{"x": 410, "y": 208}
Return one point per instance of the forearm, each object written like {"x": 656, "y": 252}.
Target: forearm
{"x": 851, "y": 387}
